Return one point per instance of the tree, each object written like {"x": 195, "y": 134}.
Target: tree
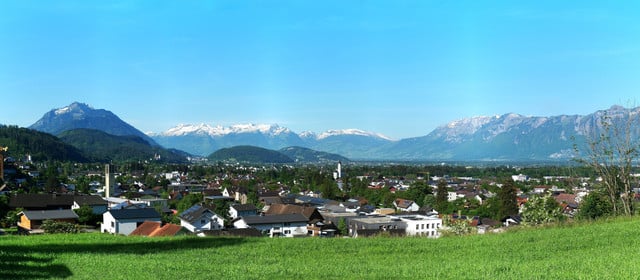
{"x": 593, "y": 206}
{"x": 417, "y": 192}
{"x": 189, "y": 200}
{"x": 342, "y": 227}
{"x": 611, "y": 149}
{"x": 507, "y": 200}
{"x": 442, "y": 196}
{"x": 541, "y": 210}
{"x": 86, "y": 215}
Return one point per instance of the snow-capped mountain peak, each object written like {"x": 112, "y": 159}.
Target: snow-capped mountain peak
{"x": 351, "y": 131}
{"x": 205, "y": 129}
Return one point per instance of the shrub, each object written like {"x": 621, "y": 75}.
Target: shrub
{"x": 50, "y": 226}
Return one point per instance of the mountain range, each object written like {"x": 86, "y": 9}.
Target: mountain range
{"x": 495, "y": 138}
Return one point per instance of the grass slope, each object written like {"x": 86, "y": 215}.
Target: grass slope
{"x": 603, "y": 250}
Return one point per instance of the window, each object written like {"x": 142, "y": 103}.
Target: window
{"x": 203, "y": 221}
{"x": 287, "y": 232}
{"x": 422, "y": 226}
{"x": 113, "y": 224}
{"x": 417, "y": 226}
{"x": 427, "y": 226}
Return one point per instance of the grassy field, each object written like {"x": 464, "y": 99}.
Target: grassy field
{"x": 603, "y": 250}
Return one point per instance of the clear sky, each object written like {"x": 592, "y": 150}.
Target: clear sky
{"x": 400, "y": 68}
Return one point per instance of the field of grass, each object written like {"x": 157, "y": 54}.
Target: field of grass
{"x": 603, "y": 250}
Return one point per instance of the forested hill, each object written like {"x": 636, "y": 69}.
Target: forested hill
{"x": 301, "y": 154}
{"x": 41, "y": 146}
{"x": 101, "y": 146}
{"x": 249, "y": 154}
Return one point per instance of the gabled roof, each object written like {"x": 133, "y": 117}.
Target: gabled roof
{"x": 244, "y": 207}
{"x": 91, "y": 200}
{"x": 167, "y": 230}
{"x": 306, "y": 211}
{"x": 50, "y": 214}
{"x": 403, "y": 203}
{"x": 274, "y": 219}
{"x": 31, "y": 200}
{"x": 146, "y": 228}
{"x": 194, "y": 213}
{"x": 137, "y": 213}
{"x": 150, "y": 228}
{"x": 271, "y": 200}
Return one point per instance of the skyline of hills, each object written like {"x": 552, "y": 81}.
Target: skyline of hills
{"x": 501, "y": 137}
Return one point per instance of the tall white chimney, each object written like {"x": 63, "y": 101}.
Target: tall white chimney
{"x": 107, "y": 181}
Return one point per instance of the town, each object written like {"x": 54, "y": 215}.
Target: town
{"x": 330, "y": 200}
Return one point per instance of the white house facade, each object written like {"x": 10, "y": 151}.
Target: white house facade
{"x": 285, "y": 225}
{"x": 124, "y": 221}
{"x": 420, "y": 225}
{"x": 199, "y": 218}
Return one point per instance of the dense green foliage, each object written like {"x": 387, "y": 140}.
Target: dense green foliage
{"x": 249, "y": 154}
{"x": 593, "y": 206}
{"x": 541, "y": 210}
{"x": 301, "y": 154}
{"x": 602, "y": 250}
{"x": 41, "y": 146}
{"x": 50, "y": 226}
{"x": 104, "y": 147}
{"x": 507, "y": 200}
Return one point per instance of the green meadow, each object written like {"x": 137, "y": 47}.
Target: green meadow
{"x": 600, "y": 250}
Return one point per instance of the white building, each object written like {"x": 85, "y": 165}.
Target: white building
{"x": 124, "y": 221}
{"x": 520, "y": 178}
{"x": 420, "y": 225}
{"x": 285, "y": 225}
{"x": 199, "y": 218}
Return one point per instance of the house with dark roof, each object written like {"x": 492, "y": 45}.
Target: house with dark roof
{"x": 285, "y": 225}
{"x": 406, "y": 205}
{"x": 241, "y": 210}
{"x": 239, "y": 194}
{"x": 33, "y": 219}
{"x": 199, "y": 218}
{"x": 125, "y": 221}
{"x": 30, "y": 201}
{"x": 97, "y": 203}
{"x": 153, "y": 229}
{"x": 311, "y": 213}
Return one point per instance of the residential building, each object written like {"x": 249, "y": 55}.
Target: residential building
{"x": 31, "y": 220}
{"x": 375, "y": 224}
{"x": 406, "y": 205}
{"x": 199, "y": 218}
{"x": 29, "y": 201}
{"x": 125, "y": 221}
{"x": 241, "y": 210}
{"x": 285, "y": 225}
{"x": 97, "y": 203}
{"x": 420, "y": 225}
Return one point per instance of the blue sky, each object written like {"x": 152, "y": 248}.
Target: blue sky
{"x": 400, "y": 68}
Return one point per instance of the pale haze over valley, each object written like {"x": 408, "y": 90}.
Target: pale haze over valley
{"x": 400, "y": 69}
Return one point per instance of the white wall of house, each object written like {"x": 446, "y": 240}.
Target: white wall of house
{"x": 277, "y": 229}
{"x": 419, "y": 225}
{"x": 122, "y": 226}
{"x": 207, "y": 221}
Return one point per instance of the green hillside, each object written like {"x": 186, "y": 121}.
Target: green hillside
{"x": 301, "y": 154}
{"x": 249, "y": 154}
{"x": 41, "y": 146}
{"x": 101, "y": 146}
{"x": 602, "y": 250}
